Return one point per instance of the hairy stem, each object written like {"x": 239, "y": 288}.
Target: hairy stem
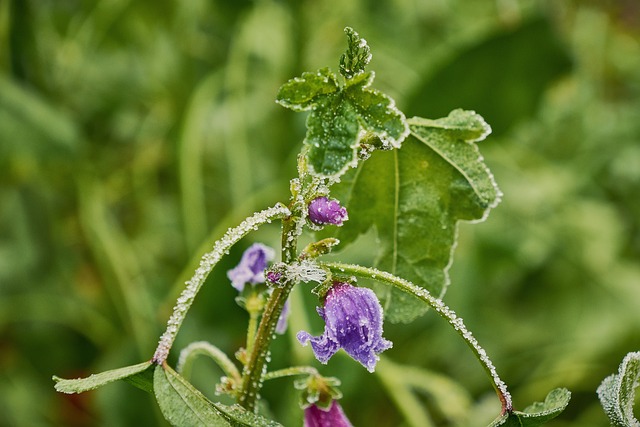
{"x": 208, "y": 261}
{"x": 442, "y": 310}
{"x": 256, "y": 366}
{"x": 189, "y": 353}
{"x": 289, "y": 372}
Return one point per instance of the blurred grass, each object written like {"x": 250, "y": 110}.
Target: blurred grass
{"x": 134, "y": 133}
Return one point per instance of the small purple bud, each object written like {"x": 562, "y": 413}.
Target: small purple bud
{"x": 251, "y": 267}
{"x": 327, "y": 211}
{"x": 274, "y": 276}
{"x": 353, "y": 321}
{"x": 315, "y": 416}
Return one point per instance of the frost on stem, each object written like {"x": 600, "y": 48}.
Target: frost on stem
{"x": 442, "y": 310}
{"x": 208, "y": 261}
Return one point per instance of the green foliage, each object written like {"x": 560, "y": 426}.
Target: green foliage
{"x": 357, "y": 56}
{"x": 422, "y": 189}
{"x": 341, "y": 116}
{"x": 185, "y": 406}
{"x": 168, "y": 114}
{"x": 538, "y": 413}
{"x": 617, "y": 392}
{"x": 135, "y": 374}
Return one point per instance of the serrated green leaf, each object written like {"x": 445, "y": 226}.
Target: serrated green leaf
{"x": 423, "y": 189}
{"x": 446, "y": 136}
{"x": 341, "y": 116}
{"x": 332, "y": 136}
{"x": 134, "y": 374}
{"x": 185, "y": 406}
{"x": 538, "y": 413}
{"x": 302, "y": 93}
{"x": 357, "y": 55}
{"x": 617, "y": 392}
{"x": 377, "y": 112}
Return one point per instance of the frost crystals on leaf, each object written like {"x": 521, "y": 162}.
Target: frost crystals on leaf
{"x": 343, "y": 116}
{"x": 617, "y": 392}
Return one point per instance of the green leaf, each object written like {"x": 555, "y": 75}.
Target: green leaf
{"x": 302, "y": 93}
{"x": 138, "y": 375}
{"x": 185, "y": 406}
{"x": 342, "y": 116}
{"x": 538, "y": 413}
{"x": 423, "y": 189}
{"x": 617, "y": 392}
{"x": 445, "y": 136}
{"x": 357, "y": 56}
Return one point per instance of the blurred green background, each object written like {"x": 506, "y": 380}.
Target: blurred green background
{"x": 133, "y": 133}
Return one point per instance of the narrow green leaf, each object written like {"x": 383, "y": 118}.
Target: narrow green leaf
{"x": 538, "y": 413}
{"x": 185, "y": 406}
{"x": 134, "y": 374}
{"x": 423, "y": 189}
{"x": 617, "y": 392}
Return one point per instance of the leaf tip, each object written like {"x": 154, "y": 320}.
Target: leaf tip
{"x": 356, "y": 57}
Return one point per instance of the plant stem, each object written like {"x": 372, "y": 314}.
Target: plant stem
{"x": 442, "y": 310}
{"x": 208, "y": 261}
{"x": 254, "y": 315}
{"x": 255, "y": 369}
{"x": 189, "y": 353}
{"x": 288, "y": 372}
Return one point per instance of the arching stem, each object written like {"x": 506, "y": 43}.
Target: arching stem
{"x": 442, "y": 310}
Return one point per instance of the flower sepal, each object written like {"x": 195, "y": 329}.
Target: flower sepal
{"x": 318, "y": 390}
{"x": 319, "y": 248}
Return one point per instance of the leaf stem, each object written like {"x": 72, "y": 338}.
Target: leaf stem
{"x": 254, "y": 314}
{"x": 189, "y": 353}
{"x": 442, "y": 310}
{"x": 208, "y": 261}
{"x": 291, "y": 371}
{"x": 254, "y": 370}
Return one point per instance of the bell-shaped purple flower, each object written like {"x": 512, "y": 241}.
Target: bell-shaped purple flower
{"x": 353, "y": 321}
{"x": 251, "y": 267}
{"x": 315, "y": 416}
{"x": 327, "y": 211}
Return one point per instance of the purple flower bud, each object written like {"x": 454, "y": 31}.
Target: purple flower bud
{"x": 325, "y": 211}
{"x": 353, "y": 321}
{"x": 274, "y": 276}
{"x": 315, "y": 416}
{"x": 251, "y": 267}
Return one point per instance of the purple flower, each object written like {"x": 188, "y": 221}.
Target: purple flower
{"x": 281, "y": 326}
{"x": 353, "y": 321}
{"x": 251, "y": 268}
{"x": 315, "y": 416}
{"x": 325, "y": 211}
